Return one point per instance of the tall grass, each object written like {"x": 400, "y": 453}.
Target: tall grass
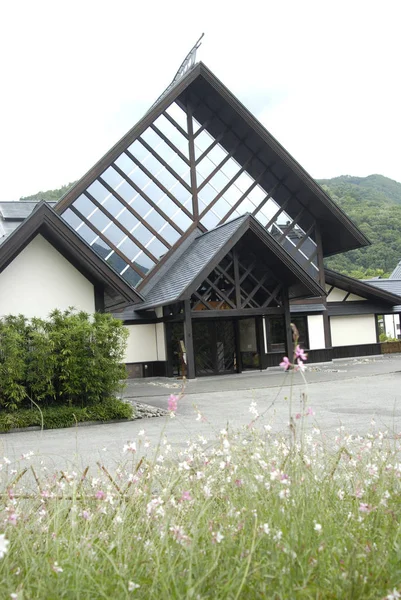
{"x": 250, "y": 515}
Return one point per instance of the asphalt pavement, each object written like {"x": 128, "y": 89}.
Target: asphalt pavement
{"x": 345, "y": 392}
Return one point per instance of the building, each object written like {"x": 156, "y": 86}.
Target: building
{"x": 204, "y": 236}
{"x": 391, "y": 320}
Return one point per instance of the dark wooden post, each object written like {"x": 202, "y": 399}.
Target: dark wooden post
{"x": 327, "y": 331}
{"x": 236, "y": 279}
{"x": 287, "y": 325}
{"x": 188, "y": 340}
{"x": 191, "y": 152}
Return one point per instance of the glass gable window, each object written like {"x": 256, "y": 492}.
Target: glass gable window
{"x": 137, "y": 210}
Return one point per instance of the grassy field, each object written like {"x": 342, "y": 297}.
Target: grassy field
{"x": 249, "y": 516}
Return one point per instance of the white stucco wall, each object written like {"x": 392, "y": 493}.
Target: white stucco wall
{"x": 161, "y": 342}
{"x": 350, "y": 330}
{"x": 141, "y": 345}
{"x": 316, "y": 332}
{"x": 39, "y": 280}
{"x": 338, "y": 295}
{"x": 146, "y": 343}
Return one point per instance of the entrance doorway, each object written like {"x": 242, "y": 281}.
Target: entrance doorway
{"x": 214, "y": 347}
{"x": 249, "y": 344}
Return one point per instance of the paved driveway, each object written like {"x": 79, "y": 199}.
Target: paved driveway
{"x": 343, "y": 392}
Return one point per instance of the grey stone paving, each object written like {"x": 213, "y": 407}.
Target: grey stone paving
{"x": 346, "y": 393}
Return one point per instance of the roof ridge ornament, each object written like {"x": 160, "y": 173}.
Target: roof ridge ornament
{"x": 187, "y": 64}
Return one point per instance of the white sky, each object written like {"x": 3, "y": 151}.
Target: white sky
{"x": 322, "y": 76}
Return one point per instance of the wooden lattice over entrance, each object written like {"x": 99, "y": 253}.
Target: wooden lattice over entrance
{"x": 238, "y": 283}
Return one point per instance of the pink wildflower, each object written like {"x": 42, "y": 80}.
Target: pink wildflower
{"x": 364, "y": 507}
{"x": 172, "y": 403}
{"x": 285, "y": 363}
{"x": 300, "y": 353}
{"x": 300, "y": 365}
{"x": 310, "y": 412}
{"x": 186, "y": 496}
{"x": 12, "y": 518}
{"x": 298, "y": 416}
{"x": 100, "y": 495}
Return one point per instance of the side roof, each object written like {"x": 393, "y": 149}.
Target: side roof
{"x": 338, "y": 232}
{"x": 367, "y": 289}
{"x": 46, "y": 222}
{"x": 19, "y": 210}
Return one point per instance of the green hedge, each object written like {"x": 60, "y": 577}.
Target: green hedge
{"x": 65, "y": 416}
{"x": 70, "y": 359}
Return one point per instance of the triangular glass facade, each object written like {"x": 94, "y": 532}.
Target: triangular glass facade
{"x": 177, "y": 175}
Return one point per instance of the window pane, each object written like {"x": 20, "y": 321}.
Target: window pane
{"x": 99, "y": 220}
{"x": 114, "y": 234}
{"x": 142, "y": 234}
{"x": 155, "y": 220}
{"x": 111, "y": 177}
{"x": 116, "y": 262}
{"x": 101, "y": 248}
{"x": 127, "y": 219}
{"x": 98, "y": 191}
{"x": 144, "y": 262}
{"x": 172, "y": 134}
{"x": 72, "y": 219}
{"x": 210, "y": 220}
{"x": 129, "y": 249}
{"x": 113, "y": 205}
{"x": 157, "y": 248}
{"x": 178, "y": 114}
{"x": 84, "y": 205}
{"x": 131, "y": 277}
{"x": 86, "y": 233}
{"x": 169, "y": 234}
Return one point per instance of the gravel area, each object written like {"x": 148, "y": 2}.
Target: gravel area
{"x": 145, "y": 411}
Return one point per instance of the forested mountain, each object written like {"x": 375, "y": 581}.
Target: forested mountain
{"x": 49, "y": 195}
{"x": 373, "y": 203}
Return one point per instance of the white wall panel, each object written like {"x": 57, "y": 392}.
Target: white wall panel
{"x": 316, "y": 332}
{"x": 141, "y": 346}
{"x": 350, "y": 330}
{"x": 39, "y": 280}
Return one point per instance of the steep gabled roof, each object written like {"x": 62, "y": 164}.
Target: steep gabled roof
{"x": 209, "y": 96}
{"x": 46, "y": 222}
{"x": 187, "y": 269}
{"x": 368, "y": 290}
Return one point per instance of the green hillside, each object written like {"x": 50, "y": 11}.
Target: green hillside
{"x": 373, "y": 203}
{"x": 49, "y": 195}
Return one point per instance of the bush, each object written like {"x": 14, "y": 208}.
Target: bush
{"x": 383, "y": 337}
{"x": 71, "y": 359}
{"x": 65, "y": 416}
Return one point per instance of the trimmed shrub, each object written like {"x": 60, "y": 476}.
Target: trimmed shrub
{"x": 65, "y": 416}
{"x": 70, "y": 359}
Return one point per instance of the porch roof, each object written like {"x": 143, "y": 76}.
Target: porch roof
{"x": 190, "y": 264}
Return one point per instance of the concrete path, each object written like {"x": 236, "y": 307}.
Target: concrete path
{"x": 343, "y": 392}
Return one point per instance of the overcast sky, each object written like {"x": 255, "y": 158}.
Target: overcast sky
{"x": 323, "y": 77}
